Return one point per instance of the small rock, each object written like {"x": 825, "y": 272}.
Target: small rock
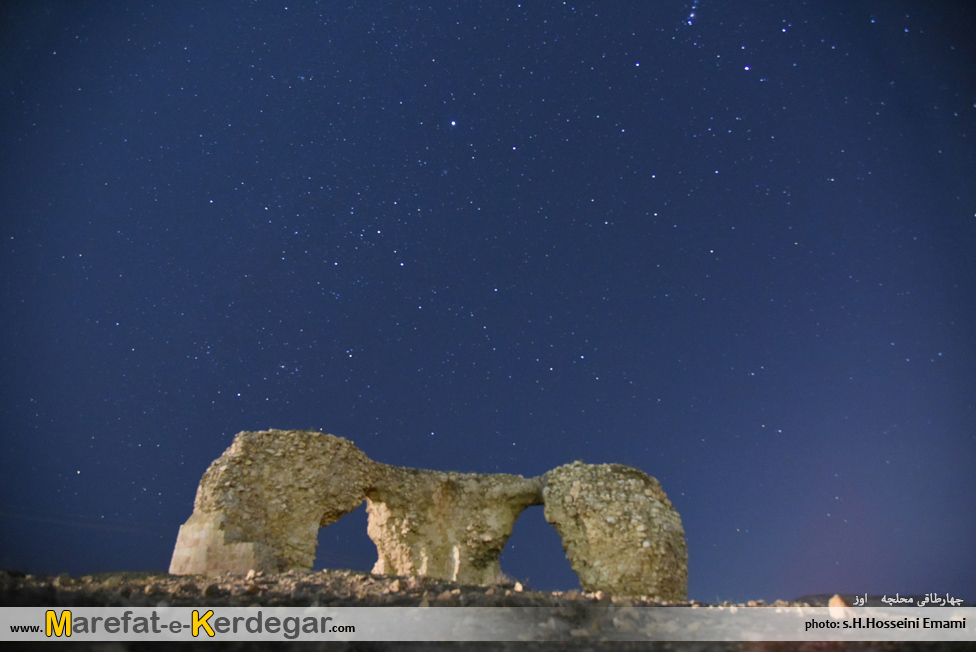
{"x": 838, "y": 600}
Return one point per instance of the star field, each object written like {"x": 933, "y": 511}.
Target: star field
{"x": 730, "y": 245}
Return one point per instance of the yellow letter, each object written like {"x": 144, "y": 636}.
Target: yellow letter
{"x": 199, "y": 622}
{"x": 61, "y": 626}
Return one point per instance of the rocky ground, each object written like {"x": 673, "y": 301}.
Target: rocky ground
{"x": 329, "y": 588}
{"x": 342, "y": 588}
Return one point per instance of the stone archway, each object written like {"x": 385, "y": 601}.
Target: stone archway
{"x": 260, "y": 506}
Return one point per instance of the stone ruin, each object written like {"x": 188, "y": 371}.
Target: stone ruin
{"x": 260, "y": 506}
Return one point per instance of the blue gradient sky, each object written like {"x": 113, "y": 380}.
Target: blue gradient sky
{"x": 730, "y": 244}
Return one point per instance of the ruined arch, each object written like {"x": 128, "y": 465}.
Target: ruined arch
{"x": 261, "y": 504}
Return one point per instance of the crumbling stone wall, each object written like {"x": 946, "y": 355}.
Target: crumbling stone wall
{"x": 619, "y": 530}
{"x": 260, "y": 505}
{"x": 446, "y": 525}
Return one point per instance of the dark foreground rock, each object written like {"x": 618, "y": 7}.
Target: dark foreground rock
{"x": 334, "y": 588}
{"x": 328, "y": 588}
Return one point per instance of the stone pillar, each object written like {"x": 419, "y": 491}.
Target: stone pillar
{"x": 619, "y": 530}
{"x": 260, "y": 505}
{"x": 450, "y": 526}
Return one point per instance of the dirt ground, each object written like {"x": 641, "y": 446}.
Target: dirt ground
{"x": 327, "y": 588}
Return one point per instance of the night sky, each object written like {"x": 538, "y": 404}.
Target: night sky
{"x": 728, "y": 243}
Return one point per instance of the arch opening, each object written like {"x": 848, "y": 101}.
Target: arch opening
{"x": 534, "y": 554}
{"x": 345, "y": 545}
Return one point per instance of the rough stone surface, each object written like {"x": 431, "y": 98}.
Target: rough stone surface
{"x": 619, "y": 530}
{"x": 260, "y": 505}
{"x": 450, "y": 526}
